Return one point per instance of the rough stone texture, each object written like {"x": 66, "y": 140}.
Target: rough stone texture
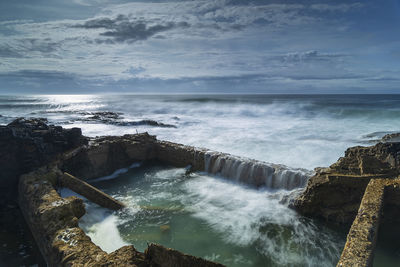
{"x": 362, "y": 237}
{"x": 383, "y": 158}
{"x": 335, "y": 193}
{"x": 181, "y": 156}
{"x": 392, "y": 137}
{"x": 53, "y": 220}
{"x": 27, "y": 144}
{"x": 90, "y": 192}
{"x": 54, "y": 224}
{"x": 160, "y": 256}
{"x": 104, "y": 155}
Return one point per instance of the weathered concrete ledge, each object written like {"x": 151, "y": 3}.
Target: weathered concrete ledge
{"x": 362, "y": 237}
{"x": 106, "y": 154}
{"x": 89, "y": 191}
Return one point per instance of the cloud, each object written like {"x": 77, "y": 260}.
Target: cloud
{"x": 25, "y": 47}
{"x": 326, "y": 77}
{"x": 336, "y": 7}
{"x": 310, "y": 56}
{"x": 213, "y": 43}
{"x": 123, "y": 29}
{"x": 39, "y": 74}
{"x": 7, "y": 51}
{"x": 45, "y": 45}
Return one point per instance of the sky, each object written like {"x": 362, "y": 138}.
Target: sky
{"x": 219, "y": 46}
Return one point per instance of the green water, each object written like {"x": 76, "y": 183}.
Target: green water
{"x": 209, "y": 217}
{"x": 387, "y": 253}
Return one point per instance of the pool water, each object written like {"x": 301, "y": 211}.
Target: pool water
{"x": 209, "y": 217}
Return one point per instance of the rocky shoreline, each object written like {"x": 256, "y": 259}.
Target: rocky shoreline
{"x": 49, "y": 157}
{"x": 335, "y": 193}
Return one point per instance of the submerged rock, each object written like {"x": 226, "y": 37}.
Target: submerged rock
{"x": 393, "y": 137}
{"x": 335, "y": 193}
{"x": 114, "y": 118}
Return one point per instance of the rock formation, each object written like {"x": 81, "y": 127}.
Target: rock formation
{"x": 114, "y": 118}
{"x": 335, "y": 193}
{"x": 27, "y": 144}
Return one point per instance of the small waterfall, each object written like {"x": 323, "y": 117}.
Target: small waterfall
{"x": 255, "y": 172}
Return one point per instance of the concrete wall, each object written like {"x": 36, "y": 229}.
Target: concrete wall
{"x": 90, "y": 192}
{"x": 362, "y": 237}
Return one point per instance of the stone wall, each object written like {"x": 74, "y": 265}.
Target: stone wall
{"x": 180, "y": 155}
{"x": 335, "y": 193}
{"x": 104, "y": 155}
{"x": 362, "y": 237}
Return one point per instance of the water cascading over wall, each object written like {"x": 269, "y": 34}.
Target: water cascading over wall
{"x": 240, "y": 169}
{"x": 255, "y": 172}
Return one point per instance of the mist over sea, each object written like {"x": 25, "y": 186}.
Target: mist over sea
{"x": 300, "y": 131}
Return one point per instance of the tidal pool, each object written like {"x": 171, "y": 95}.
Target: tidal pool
{"x": 209, "y": 217}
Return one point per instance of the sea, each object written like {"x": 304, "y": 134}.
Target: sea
{"x": 207, "y": 215}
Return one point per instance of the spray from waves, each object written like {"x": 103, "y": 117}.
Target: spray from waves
{"x": 116, "y": 173}
{"x": 99, "y": 224}
{"x": 258, "y": 219}
{"x": 258, "y": 173}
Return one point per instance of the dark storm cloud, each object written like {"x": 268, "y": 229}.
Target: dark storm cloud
{"x": 122, "y": 29}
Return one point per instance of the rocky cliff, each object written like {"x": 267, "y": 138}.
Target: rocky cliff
{"x": 335, "y": 193}
{"x": 27, "y": 144}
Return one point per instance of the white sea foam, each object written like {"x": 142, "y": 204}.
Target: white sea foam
{"x": 116, "y": 173}
{"x": 299, "y": 132}
{"x": 99, "y": 224}
{"x": 246, "y": 217}
{"x": 101, "y": 227}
